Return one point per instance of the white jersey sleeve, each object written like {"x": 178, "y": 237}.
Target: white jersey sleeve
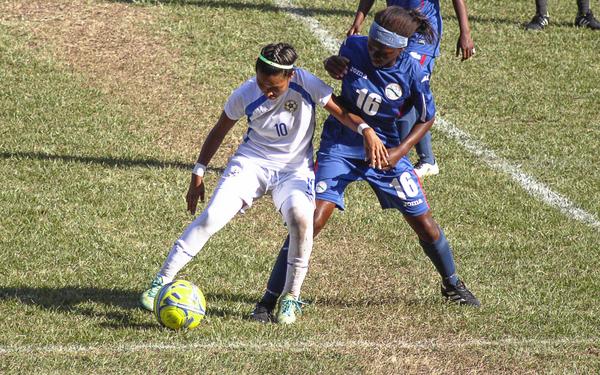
{"x": 319, "y": 91}
{"x": 236, "y": 103}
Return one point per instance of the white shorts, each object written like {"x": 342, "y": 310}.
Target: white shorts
{"x": 245, "y": 179}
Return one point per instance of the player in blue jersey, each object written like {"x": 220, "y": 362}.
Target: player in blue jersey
{"x": 275, "y": 157}
{"x": 425, "y": 51}
{"x": 378, "y": 80}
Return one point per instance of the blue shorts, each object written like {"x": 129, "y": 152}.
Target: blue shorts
{"x": 398, "y": 188}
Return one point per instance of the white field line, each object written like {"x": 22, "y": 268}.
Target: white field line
{"x": 299, "y": 346}
{"x": 533, "y": 187}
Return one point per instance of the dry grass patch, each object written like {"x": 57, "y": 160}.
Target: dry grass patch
{"x": 119, "y": 49}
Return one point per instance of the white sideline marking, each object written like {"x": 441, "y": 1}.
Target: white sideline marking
{"x": 287, "y": 346}
{"x": 533, "y": 187}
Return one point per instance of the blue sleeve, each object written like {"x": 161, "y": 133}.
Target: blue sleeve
{"x": 422, "y": 98}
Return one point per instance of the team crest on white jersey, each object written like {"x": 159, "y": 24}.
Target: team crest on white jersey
{"x": 321, "y": 187}
{"x": 393, "y": 91}
{"x": 291, "y": 106}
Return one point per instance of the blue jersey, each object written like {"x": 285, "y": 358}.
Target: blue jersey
{"x": 379, "y": 96}
{"x": 431, "y": 9}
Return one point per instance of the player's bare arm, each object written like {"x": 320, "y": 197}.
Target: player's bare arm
{"x": 464, "y": 46}
{"x": 361, "y": 13}
{"x": 415, "y": 135}
{"x": 209, "y": 148}
{"x": 374, "y": 149}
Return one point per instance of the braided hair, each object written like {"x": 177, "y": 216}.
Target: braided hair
{"x": 279, "y": 53}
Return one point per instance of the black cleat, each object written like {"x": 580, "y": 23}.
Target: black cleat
{"x": 459, "y": 294}
{"x": 262, "y": 313}
{"x": 587, "y": 20}
{"x": 538, "y": 22}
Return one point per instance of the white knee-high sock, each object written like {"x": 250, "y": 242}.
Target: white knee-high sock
{"x": 298, "y": 213}
{"x": 220, "y": 211}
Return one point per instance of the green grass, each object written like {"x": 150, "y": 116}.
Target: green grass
{"x": 94, "y": 171}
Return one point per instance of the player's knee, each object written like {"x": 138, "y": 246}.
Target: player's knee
{"x": 428, "y": 230}
{"x": 298, "y": 214}
{"x": 207, "y": 224}
{"x": 299, "y": 221}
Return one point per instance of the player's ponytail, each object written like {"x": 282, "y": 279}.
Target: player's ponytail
{"x": 276, "y": 58}
{"x": 405, "y": 22}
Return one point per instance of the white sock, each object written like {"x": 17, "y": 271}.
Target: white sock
{"x": 298, "y": 213}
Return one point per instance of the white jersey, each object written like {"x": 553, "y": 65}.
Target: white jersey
{"x": 280, "y": 131}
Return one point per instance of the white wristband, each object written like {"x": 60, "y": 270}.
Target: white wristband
{"x": 362, "y": 127}
{"x": 199, "y": 169}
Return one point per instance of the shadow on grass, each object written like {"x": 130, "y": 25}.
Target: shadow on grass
{"x": 107, "y": 161}
{"x": 73, "y": 300}
{"x": 374, "y": 301}
{"x": 239, "y": 5}
{"x": 76, "y": 300}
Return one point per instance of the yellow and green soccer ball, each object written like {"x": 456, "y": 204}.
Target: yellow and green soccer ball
{"x": 179, "y": 305}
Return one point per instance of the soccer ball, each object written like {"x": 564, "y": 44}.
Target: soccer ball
{"x": 179, "y": 305}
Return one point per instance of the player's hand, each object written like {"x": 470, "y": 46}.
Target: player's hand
{"x": 195, "y": 191}
{"x": 353, "y": 30}
{"x": 465, "y": 47}
{"x": 395, "y": 154}
{"x": 336, "y": 66}
{"x": 376, "y": 153}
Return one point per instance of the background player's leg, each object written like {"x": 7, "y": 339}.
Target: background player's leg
{"x": 585, "y": 17}
{"x": 541, "y": 17}
{"x": 406, "y": 122}
{"x": 583, "y": 7}
{"x": 425, "y": 150}
{"x": 541, "y": 7}
{"x": 425, "y": 165}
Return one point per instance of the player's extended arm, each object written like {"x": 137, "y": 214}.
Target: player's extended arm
{"x": 415, "y": 135}
{"x": 465, "y": 44}
{"x": 374, "y": 148}
{"x": 209, "y": 148}
{"x": 361, "y": 13}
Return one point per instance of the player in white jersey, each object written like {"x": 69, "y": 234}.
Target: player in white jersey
{"x": 276, "y": 157}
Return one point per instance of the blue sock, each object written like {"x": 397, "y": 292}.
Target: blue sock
{"x": 423, "y": 147}
{"x": 425, "y": 150}
{"x": 440, "y": 254}
{"x": 277, "y": 279}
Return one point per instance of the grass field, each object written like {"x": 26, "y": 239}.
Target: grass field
{"x": 103, "y": 106}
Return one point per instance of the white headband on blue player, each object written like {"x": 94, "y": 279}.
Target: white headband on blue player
{"x": 386, "y": 37}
